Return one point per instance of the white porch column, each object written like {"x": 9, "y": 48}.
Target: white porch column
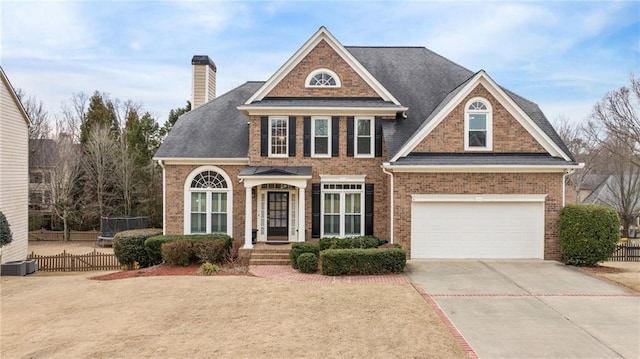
{"x": 301, "y": 215}
{"x": 247, "y": 219}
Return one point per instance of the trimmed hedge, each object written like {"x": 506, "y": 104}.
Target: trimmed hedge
{"x": 302, "y": 247}
{"x": 350, "y": 242}
{"x": 308, "y": 263}
{"x": 178, "y": 252}
{"x": 153, "y": 245}
{"x": 362, "y": 261}
{"x": 588, "y": 234}
{"x": 128, "y": 246}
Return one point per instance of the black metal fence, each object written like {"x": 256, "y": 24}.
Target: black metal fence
{"x": 626, "y": 252}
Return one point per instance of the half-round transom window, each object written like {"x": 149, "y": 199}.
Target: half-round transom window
{"x": 477, "y": 106}
{"x": 322, "y": 78}
{"x": 208, "y": 179}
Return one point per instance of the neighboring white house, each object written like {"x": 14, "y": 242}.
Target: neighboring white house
{"x": 14, "y": 170}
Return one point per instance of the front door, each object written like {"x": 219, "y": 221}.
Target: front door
{"x": 278, "y": 216}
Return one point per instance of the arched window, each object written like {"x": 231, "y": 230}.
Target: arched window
{"x": 322, "y": 78}
{"x": 208, "y": 202}
{"x": 478, "y": 125}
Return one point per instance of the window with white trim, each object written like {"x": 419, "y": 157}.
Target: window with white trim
{"x": 321, "y": 136}
{"x": 364, "y": 136}
{"x": 209, "y": 205}
{"x": 478, "y": 124}
{"x": 342, "y": 210}
{"x": 278, "y": 136}
{"x": 322, "y": 78}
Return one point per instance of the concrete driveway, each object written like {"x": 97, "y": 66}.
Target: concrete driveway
{"x": 532, "y": 308}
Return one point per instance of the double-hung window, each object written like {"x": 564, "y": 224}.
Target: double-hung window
{"x": 278, "y": 136}
{"x": 364, "y": 136}
{"x": 477, "y": 124}
{"x": 321, "y": 136}
{"x": 342, "y": 210}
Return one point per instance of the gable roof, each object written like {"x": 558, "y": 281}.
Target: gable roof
{"x": 413, "y": 78}
{"x": 14, "y": 96}
{"x": 214, "y": 130}
{"x": 322, "y": 35}
{"x": 607, "y": 193}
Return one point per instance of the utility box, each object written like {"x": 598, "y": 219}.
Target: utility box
{"x": 15, "y": 268}
{"x": 32, "y": 266}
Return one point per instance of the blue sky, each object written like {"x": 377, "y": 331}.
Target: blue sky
{"x": 563, "y": 55}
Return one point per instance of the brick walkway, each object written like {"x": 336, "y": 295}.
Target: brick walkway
{"x": 288, "y": 273}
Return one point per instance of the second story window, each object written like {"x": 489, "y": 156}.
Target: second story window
{"x": 278, "y": 139}
{"x": 321, "y": 130}
{"x": 364, "y": 137}
{"x": 322, "y": 78}
{"x": 477, "y": 125}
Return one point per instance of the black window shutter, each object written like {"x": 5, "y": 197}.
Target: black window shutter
{"x": 378, "y": 136}
{"x": 264, "y": 136}
{"x": 350, "y": 136}
{"x": 368, "y": 209}
{"x": 292, "y": 136}
{"x": 307, "y": 136}
{"x": 315, "y": 210}
{"x": 335, "y": 136}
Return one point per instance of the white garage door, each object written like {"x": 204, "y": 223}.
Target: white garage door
{"x": 499, "y": 226}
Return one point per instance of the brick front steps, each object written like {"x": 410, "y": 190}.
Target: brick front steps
{"x": 265, "y": 254}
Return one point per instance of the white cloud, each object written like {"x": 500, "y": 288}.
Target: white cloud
{"x": 45, "y": 30}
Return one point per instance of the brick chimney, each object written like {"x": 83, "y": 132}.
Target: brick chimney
{"x": 204, "y": 81}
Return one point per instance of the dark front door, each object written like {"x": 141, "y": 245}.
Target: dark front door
{"x": 277, "y": 216}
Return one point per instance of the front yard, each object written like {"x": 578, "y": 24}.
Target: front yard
{"x": 226, "y": 317}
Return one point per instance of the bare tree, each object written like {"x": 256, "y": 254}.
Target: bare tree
{"x": 622, "y": 188}
{"x": 125, "y": 177}
{"x": 617, "y": 116}
{"x": 98, "y": 169}
{"x": 73, "y": 114}
{"x": 584, "y": 149}
{"x": 40, "y": 126}
{"x": 63, "y": 178}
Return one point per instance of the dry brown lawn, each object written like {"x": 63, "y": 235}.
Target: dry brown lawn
{"x": 71, "y": 316}
{"x": 48, "y": 248}
{"x": 629, "y": 276}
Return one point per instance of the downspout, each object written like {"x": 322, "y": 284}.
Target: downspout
{"x": 164, "y": 198}
{"x": 390, "y": 204}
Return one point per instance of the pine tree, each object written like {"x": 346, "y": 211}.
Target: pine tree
{"x": 5, "y": 231}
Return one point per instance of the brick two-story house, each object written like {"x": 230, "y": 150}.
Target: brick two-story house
{"x": 398, "y": 142}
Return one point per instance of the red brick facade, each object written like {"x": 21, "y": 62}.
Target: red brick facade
{"x": 448, "y": 136}
{"x": 322, "y": 56}
{"x": 508, "y": 134}
{"x": 550, "y": 184}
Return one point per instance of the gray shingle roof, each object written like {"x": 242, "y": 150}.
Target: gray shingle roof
{"x": 276, "y": 170}
{"x": 214, "y": 130}
{"x": 420, "y": 79}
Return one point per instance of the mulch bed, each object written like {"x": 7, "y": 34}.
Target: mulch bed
{"x": 167, "y": 270}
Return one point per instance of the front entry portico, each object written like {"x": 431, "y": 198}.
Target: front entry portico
{"x": 280, "y": 202}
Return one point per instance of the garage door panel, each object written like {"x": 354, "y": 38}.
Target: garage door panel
{"x": 477, "y": 230}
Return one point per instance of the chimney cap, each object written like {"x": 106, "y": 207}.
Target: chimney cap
{"x": 203, "y": 60}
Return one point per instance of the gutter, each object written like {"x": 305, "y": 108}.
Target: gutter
{"x": 164, "y": 198}
{"x": 390, "y": 203}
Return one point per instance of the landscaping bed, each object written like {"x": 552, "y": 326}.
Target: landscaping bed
{"x": 169, "y": 270}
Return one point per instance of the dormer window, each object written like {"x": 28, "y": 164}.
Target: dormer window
{"x": 478, "y": 125}
{"x": 322, "y": 78}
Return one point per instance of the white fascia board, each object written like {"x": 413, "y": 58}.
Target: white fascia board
{"x": 291, "y": 110}
{"x": 482, "y": 78}
{"x": 479, "y": 169}
{"x": 520, "y": 116}
{"x": 321, "y": 34}
{"x": 486, "y": 198}
{"x": 15, "y": 98}
{"x": 202, "y": 161}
